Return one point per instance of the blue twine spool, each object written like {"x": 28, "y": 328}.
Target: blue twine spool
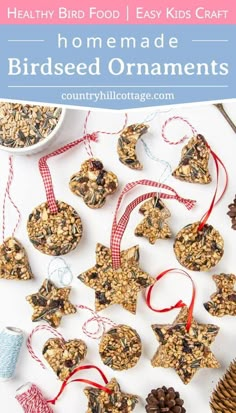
{"x": 11, "y": 340}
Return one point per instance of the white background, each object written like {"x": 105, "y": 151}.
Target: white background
{"x": 28, "y": 192}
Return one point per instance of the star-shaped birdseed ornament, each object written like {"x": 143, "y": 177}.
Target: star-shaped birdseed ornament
{"x": 115, "y": 402}
{"x": 119, "y": 286}
{"x": 51, "y": 303}
{"x": 185, "y": 351}
{"x": 223, "y": 302}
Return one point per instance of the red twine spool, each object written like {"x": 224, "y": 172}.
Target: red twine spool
{"x": 91, "y": 383}
{"x": 217, "y": 160}
{"x": 180, "y": 303}
{"x": 119, "y": 227}
{"x": 32, "y": 400}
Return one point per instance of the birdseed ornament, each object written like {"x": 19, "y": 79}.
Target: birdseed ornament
{"x": 51, "y": 303}
{"x": 117, "y": 277}
{"x": 102, "y": 399}
{"x": 126, "y": 146}
{"x": 199, "y": 246}
{"x": 223, "y": 399}
{"x": 154, "y": 225}
{"x": 14, "y": 264}
{"x": 62, "y": 356}
{"x": 232, "y": 213}
{"x": 165, "y": 400}
{"x": 184, "y": 344}
{"x": 223, "y": 302}
{"x": 93, "y": 183}
{"x": 120, "y": 347}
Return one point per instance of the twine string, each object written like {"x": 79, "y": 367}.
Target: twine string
{"x": 177, "y": 118}
{"x": 166, "y": 165}
{"x": 29, "y": 341}
{"x": 10, "y": 346}
{"x": 63, "y": 272}
{"x": 102, "y": 323}
{"x": 7, "y": 194}
{"x": 179, "y": 303}
{"x": 87, "y": 141}
{"x": 92, "y": 383}
{"x": 119, "y": 227}
{"x": 45, "y": 171}
{"x": 32, "y": 400}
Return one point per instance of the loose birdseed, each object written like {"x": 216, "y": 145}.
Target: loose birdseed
{"x": 25, "y": 125}
{"x": 64, "y": 356}
{"x": 93, "y": 183}
{"x": 120, "y": 348}
{"x": 54, "y": 234}
{"x": 198, "y": 250}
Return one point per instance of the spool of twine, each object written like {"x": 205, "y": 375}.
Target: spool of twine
{"x": 11, "y": 340}
{"x": 32, "y": 400}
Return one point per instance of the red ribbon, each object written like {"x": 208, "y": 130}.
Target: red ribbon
{"x": 119, "y": 227}
{"x": 180, "y": 303}
{"x": 92, "y": 383}
{"x": 45, "y": 171}
{"x": 217, "y": 161}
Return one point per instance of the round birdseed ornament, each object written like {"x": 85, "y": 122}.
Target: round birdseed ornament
{"x": 54, "y": 233}
{"x": 120, "y": 348}
{"x": 198, "y": 250}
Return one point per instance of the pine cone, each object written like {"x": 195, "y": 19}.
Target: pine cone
{"x": 163, "y": 400}
{"x": 232, "y": 213}
{"x": 223, "y": 398}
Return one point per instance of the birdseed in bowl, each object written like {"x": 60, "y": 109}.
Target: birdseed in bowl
{"x": 24, "y": 125}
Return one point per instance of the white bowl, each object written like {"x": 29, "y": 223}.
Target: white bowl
{"x": 40, "y": 146}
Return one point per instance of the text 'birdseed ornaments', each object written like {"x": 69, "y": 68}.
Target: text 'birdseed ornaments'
{"x": 198, "y": 246}
{"x": 106, "y": 398}
{"x": 223, "y": 302}
{"x": 116, "y": 276}
{"x": 50, "y": 304}
{"x": 62, "y": 356}
{"x": 14, "y": 264}
{"x": 185, "y": 344}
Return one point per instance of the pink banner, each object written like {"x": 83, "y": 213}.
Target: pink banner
{"x": 118, "y": 12}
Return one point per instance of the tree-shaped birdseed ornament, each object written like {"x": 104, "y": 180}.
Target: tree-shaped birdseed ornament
{"x": 223, "y": 302}
{"x": 223, "y": 399}
{"x": 184, "y": 344}
{"x": 14, "y": 264}
{"x": 116, "y": 270}
{"x": 199, "y": 246}
{"x": 93, "y": 183}
{"x": 154, "y": 225}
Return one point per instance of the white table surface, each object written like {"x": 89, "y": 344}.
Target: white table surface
{"x": 28, "y": 192}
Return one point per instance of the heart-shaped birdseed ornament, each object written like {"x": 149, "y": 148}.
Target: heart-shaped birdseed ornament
{"x": 14, "y": 264}
{"x": 64, "y": 356}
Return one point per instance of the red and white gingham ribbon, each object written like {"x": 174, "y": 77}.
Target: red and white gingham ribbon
{"x": 45, "y": 171}
{"x": 29, "y": 341}
{"x": 119, "y": 227}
